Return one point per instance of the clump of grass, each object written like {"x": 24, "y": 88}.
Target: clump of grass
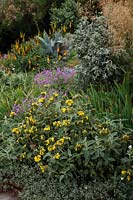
{"x": 117, "y": 101}
{"x": 120, "y": 22}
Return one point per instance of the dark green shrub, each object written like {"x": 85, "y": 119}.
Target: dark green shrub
{"x": 92, "y": 45}
{"x": 66, "y": 14}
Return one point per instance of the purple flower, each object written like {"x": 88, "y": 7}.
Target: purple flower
{"x": 58, "y": 76}
{"x": 17, "y": 108}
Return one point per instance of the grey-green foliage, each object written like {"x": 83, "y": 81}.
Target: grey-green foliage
{"x": 50, "y": 45}
{"x": 66, "y": 13}
{"x": 92, "y": 44}
{"x": 40, "y": 187}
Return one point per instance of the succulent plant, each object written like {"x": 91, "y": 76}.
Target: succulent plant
{"x": 54, "y": 45}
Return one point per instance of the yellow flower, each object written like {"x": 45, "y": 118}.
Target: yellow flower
{"x": 128, "y": 178}
{"x": 78, "y": 147}
{"x": 65, "y": 53}
{"x": 57, "y": 123}
{"x": 104, "y": 131}
{"x": 64, "y": 29}
{"x": 19, "y": 51}
{"x": 50, "y": 32}
{"x": 84, "y": 131}
{"x": 16, "y": 130}
{"x": 24, "y": 126}
{"x": 69, "y": 102}
{"x": 125, "y": 137}
{"x": 51, "y": 98}
{"x": 56, "y": 94}
{"x": 59, "y": 57}
{"x": 58, "y": 49}
{"x": 37, "y": 158}
{"x": 80, "y": 122}
{"x": 43, "y": 93}
{"x": 12, "y": 114}
{"x": 23, "y": 54}
{"x": 128, "y": 172}
{"x": 41, "y": 100}
{"x": 22, "y": 155}
{"x": 47, "y": 142}
{"x": 66, "y": 122}
{"x": 47, "y": 128}
{"x": 60, "y": 142}
{"x": 86, "y": 117}
{"x": 26, "y": 130}
{"x": 48, "y": 59}
{"x": 42, "y": 151}
{"x": 14, "y": 57}
{"x": 42, "y": 137}
{"x": 42, "y": 167}
{"x": 63, "y": 110}
{"x": 123, "y": 172}
{"x": 32, "y": 129}
{"x": 67, "y": 138}
{"x": 34, "y": 104}
{"x": 29, "y": 61}
{"x": 51, "y": 148}
{"x": 31, "y": 120}
{"x": 51, "y": 139}
{"x": 81, "y": 113}
{"x": 17, "y": 44}
{"x": 57, "y": 156}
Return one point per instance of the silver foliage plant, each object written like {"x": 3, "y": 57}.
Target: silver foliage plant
{"x": 91, "y": 41}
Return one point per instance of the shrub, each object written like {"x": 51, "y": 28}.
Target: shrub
{"x": 92, "y": 45}
{"x": 62, "y": 136}
{"x": 53, "y": 189}
{"x": 71, "y": 16}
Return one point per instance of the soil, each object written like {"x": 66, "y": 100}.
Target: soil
{"x": 7, "y": 196}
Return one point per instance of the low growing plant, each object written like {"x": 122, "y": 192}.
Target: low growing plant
{"x": 59, "y": 78}
{"x": 62, "y": 137}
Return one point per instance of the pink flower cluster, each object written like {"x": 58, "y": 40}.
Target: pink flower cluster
{"x": 50, "y": 77}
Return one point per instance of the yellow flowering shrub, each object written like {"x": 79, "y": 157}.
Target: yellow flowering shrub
{"x": 62, "y": 135}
